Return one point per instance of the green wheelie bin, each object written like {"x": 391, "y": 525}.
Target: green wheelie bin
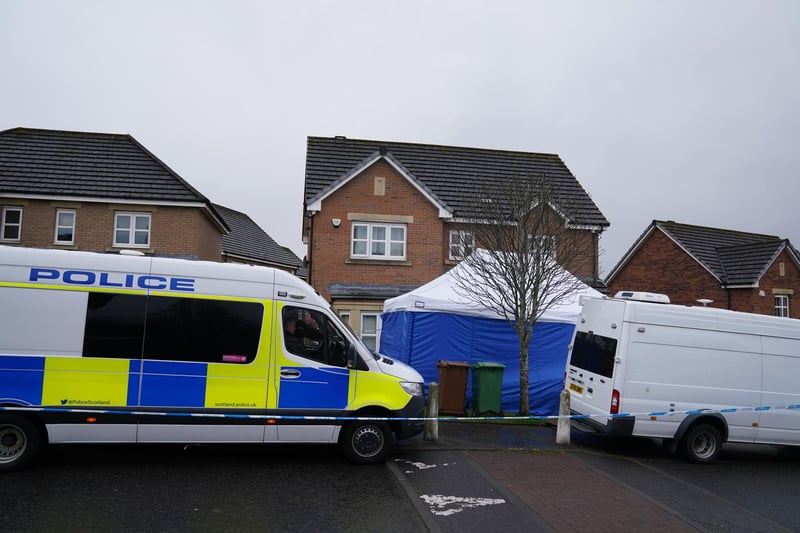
{"x": 487, "y": 388}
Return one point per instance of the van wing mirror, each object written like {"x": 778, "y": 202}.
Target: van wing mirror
{"x": 353, "y": 360}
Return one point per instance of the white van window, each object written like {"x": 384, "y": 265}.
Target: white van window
{"x": 172, "y": 328}
{"x": 594, "y": 353}
{"x": 310, "y": 334}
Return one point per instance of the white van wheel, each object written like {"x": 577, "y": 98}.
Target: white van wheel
{"x": 702, "y": 444}
{"x": 20, "y": 442}
{"x": 366, "y": 442}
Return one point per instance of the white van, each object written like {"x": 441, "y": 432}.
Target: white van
{"x": 738, "y": 374}
{"x": 101, "y": 348}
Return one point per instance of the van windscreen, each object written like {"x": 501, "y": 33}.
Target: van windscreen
{"x": 594, "y": 353}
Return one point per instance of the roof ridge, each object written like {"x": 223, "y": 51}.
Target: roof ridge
{"x": 23, "y": 129}
{"x": 427, "y": 145}
{"x": 671, "y": 223}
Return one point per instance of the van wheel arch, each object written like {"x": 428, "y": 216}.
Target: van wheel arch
{"x": 367, "y": 441}
{"x": 700, "y": 438}
{"x": 22, "y": 438}
{"x": 715, "y": 419}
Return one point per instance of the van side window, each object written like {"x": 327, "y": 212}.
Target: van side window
{"x": 172, "y": 328}
{"x": 311, "y": 335}
{"x": 594, "y": 353}
{"x": 114, "y": 325}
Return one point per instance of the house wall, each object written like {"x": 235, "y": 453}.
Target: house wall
{"x": 577, "y": 250}
{"x": 180, "y": 231}
{"x": 776, "y": 280}
{"x": 359, "y": 200}
{"x": 660, "y": 266}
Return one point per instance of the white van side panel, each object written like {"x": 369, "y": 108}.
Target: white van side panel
{"x": 180, "y": 433}
{"x": 58, "y": 327}
{"x": 781, "y": 387}
{"x": 99, "y": 433}
{"x": 682, "y": 369}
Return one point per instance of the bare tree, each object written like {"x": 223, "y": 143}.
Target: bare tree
{"x": 524, "y": 238}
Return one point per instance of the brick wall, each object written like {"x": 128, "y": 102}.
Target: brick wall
{"x": 179, "y": 231}
{"x": 660, "y": 266}
{"x": 330, "y": 246}
{"x": 427, "y": 253}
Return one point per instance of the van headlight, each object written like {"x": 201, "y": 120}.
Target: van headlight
{"x": 412, "y": 388}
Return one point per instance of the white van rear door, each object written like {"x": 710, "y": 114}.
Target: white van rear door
{"x": 590, "y": 371}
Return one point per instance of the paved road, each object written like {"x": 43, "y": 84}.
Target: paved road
{"x": 475, "y": 478}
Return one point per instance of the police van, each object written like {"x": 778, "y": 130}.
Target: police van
{"x": 693, "y": 376}
{"x": 107, "y": 348}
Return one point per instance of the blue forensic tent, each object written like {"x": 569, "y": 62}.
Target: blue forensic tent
{"x": 434, "y": 323}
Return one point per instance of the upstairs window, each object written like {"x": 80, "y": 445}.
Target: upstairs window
{"x": 782, "y": 305}
{"x": 65, "y": 226}
{"x": 132, "y": 229}
{"x": 378, "y": 241}
{"x": 462, "y": 243}
{"x": 11, "y": 224}
{"x": 543, "y": 245}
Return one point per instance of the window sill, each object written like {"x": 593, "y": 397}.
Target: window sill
{"x": 381, "y": 262}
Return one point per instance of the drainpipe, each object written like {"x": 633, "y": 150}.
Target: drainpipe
{"x": 724, "y": 280}
{"x": 310, "y": 252}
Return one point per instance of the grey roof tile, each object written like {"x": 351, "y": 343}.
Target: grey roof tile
{"x": 367, "y": 291}
{"x": 246, "y": 239}
{"x": 454, "y": 176}
{"x": 734, "y": 257}
{"x": 99, "y": 165}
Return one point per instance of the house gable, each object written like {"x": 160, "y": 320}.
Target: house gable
{"x": 735, "y": 270}
{"x": 315, "y": 204}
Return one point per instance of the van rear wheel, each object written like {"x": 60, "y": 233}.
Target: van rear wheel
{"x": 366, "y": 442}
{"x": 20, "y": 442}
{"x": 702, "y": 444}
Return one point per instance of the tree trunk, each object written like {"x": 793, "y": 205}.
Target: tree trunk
{"x": 524, "y": 407}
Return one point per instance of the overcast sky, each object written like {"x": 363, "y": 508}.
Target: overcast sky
{"x": 685, "y": 111}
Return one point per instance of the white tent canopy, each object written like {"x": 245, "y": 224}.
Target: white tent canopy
{"x": 441, "y": 295}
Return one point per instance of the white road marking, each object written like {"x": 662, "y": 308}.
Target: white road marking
{"x": 419, "y": 466}
{"x": 448, "y": 505}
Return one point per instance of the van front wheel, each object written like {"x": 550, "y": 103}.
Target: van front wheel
{"x": 20, "y": 442}
{"x": 702, "y": 444}
{"x": 366, "y": 442}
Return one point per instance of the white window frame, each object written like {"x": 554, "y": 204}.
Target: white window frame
{"x": 545, "y": 243}
{"x": 5, "y": 225}
{"x": 372, "y": 335}
{"x": 371, "y": 242}
{"x": 131, "y": 230}
{"x": 781, "y": 305}
{"x": 59, "y": 212}
{"x": 458, "y": 247}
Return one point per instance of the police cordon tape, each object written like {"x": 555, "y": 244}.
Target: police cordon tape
{"x": 378, "y": 418}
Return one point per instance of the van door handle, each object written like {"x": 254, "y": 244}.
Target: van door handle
{"x": 290, "y": 373}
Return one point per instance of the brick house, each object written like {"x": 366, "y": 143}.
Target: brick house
{"x": 722, "y": 268}
{"x": 105, "y": 192}
{"x": 382, "y": 218}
